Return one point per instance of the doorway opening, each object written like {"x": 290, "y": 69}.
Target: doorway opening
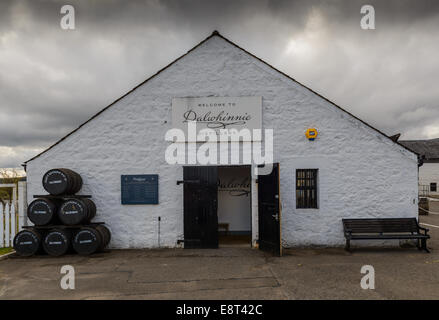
{"x": 204, "y": 216}
{"x": 234, "y": 206}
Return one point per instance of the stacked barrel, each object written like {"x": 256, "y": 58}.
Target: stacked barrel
{"x": 62, "y": 219}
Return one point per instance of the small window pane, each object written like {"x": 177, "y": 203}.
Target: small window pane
{"x": 306, "y": 188}
{"x": 433, "y": 187}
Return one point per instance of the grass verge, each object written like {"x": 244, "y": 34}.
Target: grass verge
{"x": 5, "y": 250}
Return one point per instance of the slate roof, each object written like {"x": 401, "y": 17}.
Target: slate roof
{"x": 427, "y": 148}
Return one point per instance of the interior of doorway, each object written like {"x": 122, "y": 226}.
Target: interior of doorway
{"x": 234, "y": 206}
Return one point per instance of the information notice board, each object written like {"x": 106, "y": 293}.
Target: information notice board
{"x": 140, "y": 189}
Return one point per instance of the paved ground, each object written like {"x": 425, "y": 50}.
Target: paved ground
{"x": 229, "y": 273}
{"x": 434, "y": 206}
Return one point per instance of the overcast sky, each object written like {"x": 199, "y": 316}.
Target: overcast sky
{"x": 52, "y": 80}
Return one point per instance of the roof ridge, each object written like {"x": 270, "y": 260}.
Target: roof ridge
{"x": 422, "y": 140}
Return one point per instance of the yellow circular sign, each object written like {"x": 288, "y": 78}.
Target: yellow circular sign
{"x": 311, "y": 134}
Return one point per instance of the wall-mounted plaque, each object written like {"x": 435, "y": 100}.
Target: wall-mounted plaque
{"x": 140, "y": 189}
{"x": 217, "y": 113}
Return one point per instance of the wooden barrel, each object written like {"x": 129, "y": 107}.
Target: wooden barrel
{"x": 88, "y": 240}
{"x": 76, "y": 211}
{"x": 43, "y": 211}
{"x": 62, "y": 181}
{"x": 27, "y": 242}
{"x": 57, "y": 241}
{"x": 106, "y": 235}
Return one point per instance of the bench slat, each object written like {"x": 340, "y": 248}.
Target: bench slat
{"x": 381, "y": 225}
{"x": 385, "y": 228}
{"x": 389, "y": 236}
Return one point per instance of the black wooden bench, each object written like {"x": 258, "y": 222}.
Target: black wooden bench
{"x": 384, "y": 229}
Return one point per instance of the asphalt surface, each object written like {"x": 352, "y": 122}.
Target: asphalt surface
{"x": 229, "y": 273}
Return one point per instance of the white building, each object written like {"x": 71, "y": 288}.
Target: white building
{"x": 356, "y": 170}
{"x": 429, "y": 171}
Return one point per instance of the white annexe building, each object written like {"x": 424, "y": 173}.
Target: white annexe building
{"x": 327, "y": 164}
{"x": 429, "y": 171}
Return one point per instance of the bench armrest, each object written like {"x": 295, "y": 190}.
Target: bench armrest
{"x": 424, "y": 229}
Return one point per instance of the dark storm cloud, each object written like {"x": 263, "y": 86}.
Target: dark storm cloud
{"x": 52, "y": 80}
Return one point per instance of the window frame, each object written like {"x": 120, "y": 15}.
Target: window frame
{"x": 431, "y": 186}
{"x": 310, "y": 183}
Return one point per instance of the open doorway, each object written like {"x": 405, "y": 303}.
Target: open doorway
{"x": 234, "y": 206}
{"x": 213, "y": 216}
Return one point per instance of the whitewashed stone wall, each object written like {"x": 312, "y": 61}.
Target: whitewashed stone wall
{"x": 361, "y": 173}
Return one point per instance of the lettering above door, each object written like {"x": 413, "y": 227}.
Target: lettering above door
{"x": 218, "y": 113}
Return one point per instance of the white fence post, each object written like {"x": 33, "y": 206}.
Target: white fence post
{"x": 2, "y": 225}
{"x": 7, "y": 234}
{"x": 22, "y": 205}
{"x": 13, "y": 219}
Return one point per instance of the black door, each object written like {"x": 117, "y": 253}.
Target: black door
{"x": 200, "y": 207}
{"x": 269, "y": 212}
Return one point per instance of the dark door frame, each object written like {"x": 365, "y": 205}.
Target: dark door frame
{"x": 270, "y": 212}
{"x": 200, "y": 200}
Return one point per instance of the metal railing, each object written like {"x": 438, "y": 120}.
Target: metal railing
{"x": 424, "y": 190}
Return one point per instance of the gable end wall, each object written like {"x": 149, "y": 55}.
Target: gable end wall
{"x": 361, "y": 173}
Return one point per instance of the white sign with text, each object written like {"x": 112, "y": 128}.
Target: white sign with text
{"x": 217, "y": 113}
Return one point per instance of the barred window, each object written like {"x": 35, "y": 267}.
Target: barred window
{"x": 306, "y": 188}
{"x": 433, "y": 187}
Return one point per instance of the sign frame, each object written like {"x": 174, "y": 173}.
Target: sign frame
{"x": 216, "y": 113}
{"x": 134, "y": 186}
